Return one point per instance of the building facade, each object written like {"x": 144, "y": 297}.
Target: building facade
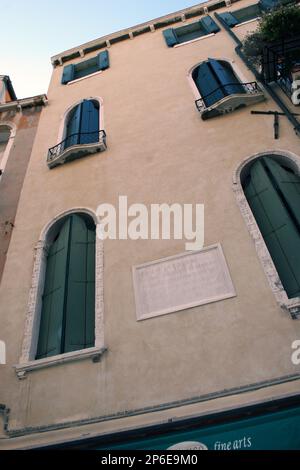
{"x": 117, "y": 342}
{"x": 18, "y": 124}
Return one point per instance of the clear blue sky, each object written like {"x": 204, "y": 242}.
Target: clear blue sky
{"x": 31, "y": 31}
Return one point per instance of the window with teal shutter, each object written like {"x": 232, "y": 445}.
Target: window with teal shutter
{"x": 82, "y": 125}
{"x": 216, "y": 79}
{"x": 86, "y": 67}
{"x": 273, "y": 193}
{"x": 68, "y": 307}
{"x": 190, "y": 31}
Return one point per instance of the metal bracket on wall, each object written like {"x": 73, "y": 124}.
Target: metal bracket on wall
{"x": 276, "y": 115}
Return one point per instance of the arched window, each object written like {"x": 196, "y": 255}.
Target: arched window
{"x": 220, "y": 89}
{"x": 80, "y": 133}
{"x": 5, "y": 133}
{"x": 67, "y": 321}
{"x": 272, "y": 190}
{"x": 82, "y": 124}
{"x": 215, "y": 79}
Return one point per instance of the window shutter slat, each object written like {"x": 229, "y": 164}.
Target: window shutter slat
{"x": 80, "y": 309}
{"x": 68, "y": 74}
{"x": 103, "y": 60}
{"x": 170, "y": 37}
{"x": 50, "y": 334}
{"x": 209, "y": 25}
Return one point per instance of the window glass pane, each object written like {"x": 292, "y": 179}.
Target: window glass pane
{"x": 86, "y": 68}
{"x": 190, "y": 32}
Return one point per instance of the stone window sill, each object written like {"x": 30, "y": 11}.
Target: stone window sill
{"x": 247, "y": 22}
{"x": 94, "y": 353}
{"x": 84, "y": 78}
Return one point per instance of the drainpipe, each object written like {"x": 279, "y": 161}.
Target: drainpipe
{"x": 272, "y": 93}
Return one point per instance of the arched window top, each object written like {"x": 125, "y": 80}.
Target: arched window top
{"x": 51, "y": 231}
{"x": 220, "y": 89}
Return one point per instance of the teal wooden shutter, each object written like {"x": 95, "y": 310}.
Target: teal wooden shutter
{"x": 229, "y": 19}
{"x": 207, "y": 84}
{"x": 103, "y": 60}
{"x": 276, "y": 225}
{"x": 68, "y": 74}
{"x": 209, "y": 25}
{"x": 73, "y": 127}
{"x": 50, "y": 334}
{"x": 289, "y": 186}
{"x": 170, "y": 37}
{"x": 80, "y": 305}
{"x": 89, "y": 126}
{"x": 226, "y": 77}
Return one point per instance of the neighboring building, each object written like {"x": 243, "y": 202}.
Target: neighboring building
{"x": 18, "y": 124}
{"x": 160, "y": 113}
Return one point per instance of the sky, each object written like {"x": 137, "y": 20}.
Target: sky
{"x": 31, "y": 31}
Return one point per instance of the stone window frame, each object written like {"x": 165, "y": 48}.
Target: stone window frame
{"x": 293, "y": 161}
{"x": 27, "y": 361}
{"x": 12, "y": 135}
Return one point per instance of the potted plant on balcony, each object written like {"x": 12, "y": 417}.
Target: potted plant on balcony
{"x": 274, "y": 48}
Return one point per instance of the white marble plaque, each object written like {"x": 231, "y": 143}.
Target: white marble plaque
{"x": 182, "y": 281}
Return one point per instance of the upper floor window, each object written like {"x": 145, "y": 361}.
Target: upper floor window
{"x": 220, "y": 89}
{"x": 190, "y": 32}
{"x": 272, "y": 190}
{"x": 82, "y": 134}
{"x": 251, "y": 12}
{"x": 87, "y": 67}
{"x": 68, "y": 303}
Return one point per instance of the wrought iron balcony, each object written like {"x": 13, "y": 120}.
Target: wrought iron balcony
{"x": 235, "y": 95}
{"x": 76, "y": 146}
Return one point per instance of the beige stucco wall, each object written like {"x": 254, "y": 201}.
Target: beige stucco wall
{"x": 159, "y": 150}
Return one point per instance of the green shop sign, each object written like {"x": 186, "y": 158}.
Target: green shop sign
{"x": 279, "y": 430}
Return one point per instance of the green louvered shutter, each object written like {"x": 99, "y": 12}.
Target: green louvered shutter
{"x": 229, "y": 19}
{"x": 68, "y": 74}
{"x": 80, "y": 305}
{"x": 289, "y": 185}
{"x": 207, "y": 84}
{"x": 170, "y": 37}
{"x": 103, "y": 60}
{"x": 89, "y": 124}
{"x": 276, "y": 225}
{"x": 50, "y": 334}
{"x": 209, "y": 25}
{"x": 226, "y": 77}
{"x": 73, "y": 127}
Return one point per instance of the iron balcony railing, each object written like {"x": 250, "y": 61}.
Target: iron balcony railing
{"x": 250, "y": 88}
{"x": 82, "y": 138}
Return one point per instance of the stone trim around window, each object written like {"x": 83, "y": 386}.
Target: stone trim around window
{"x": 290, "y": 305}
{"x": 27, "y": 360}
